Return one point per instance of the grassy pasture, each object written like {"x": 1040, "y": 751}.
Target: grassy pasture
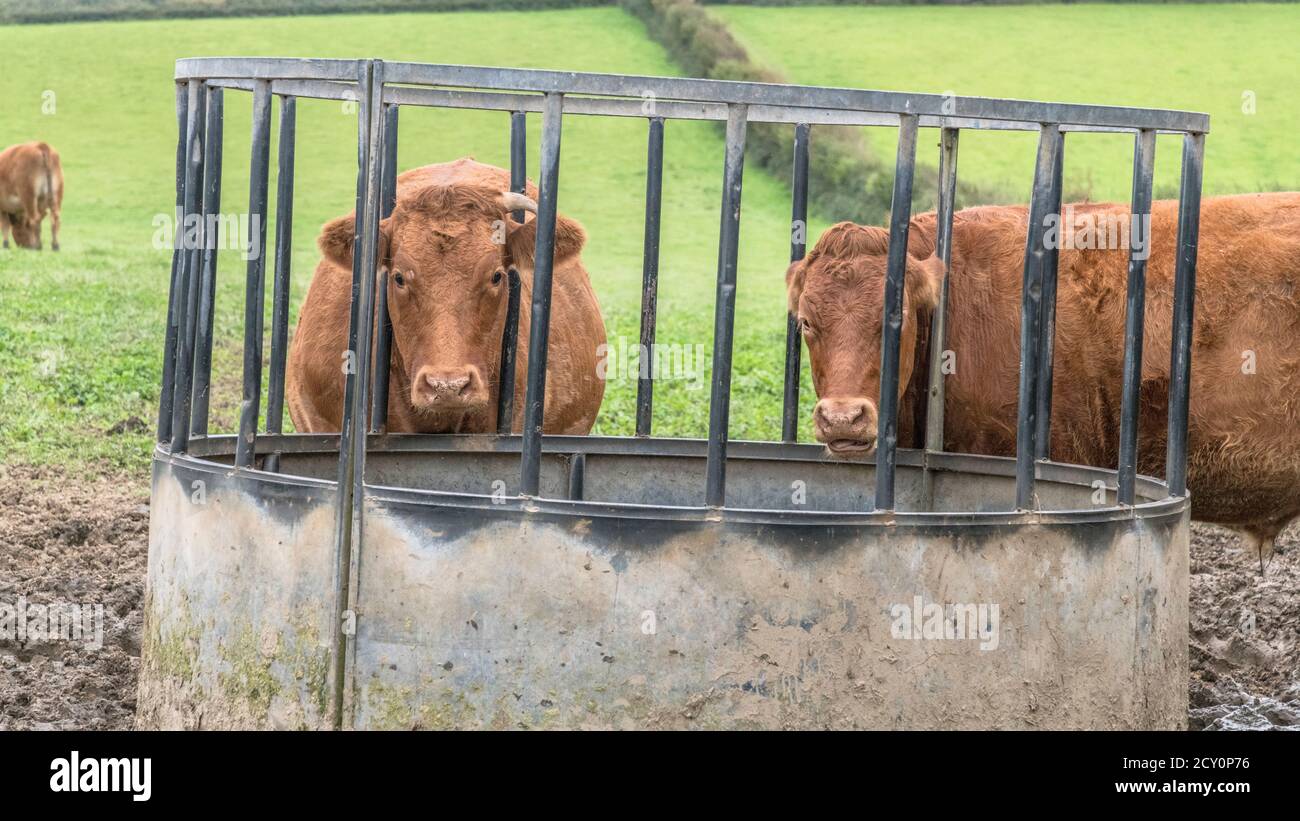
{"x": 81, "y": 331}
{"x": 1213, "y": 58}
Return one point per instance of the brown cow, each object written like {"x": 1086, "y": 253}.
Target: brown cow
{"x": 1244, "y": 427}
{"x": 447, "y": 299}
{"x": 31, "y": 185}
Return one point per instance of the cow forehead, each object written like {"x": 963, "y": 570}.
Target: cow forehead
{"x": 453, "y": 240}
{"x": 845, "y": 279}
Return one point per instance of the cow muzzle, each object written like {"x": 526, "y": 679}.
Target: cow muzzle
{"x": 459, "y": 389}
{"x": 845, "y": 425}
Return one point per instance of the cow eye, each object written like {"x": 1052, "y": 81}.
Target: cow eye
{"x": 496, "y": 278}
{"x": 398, "y": 279}
{"x": 804, "y": 327}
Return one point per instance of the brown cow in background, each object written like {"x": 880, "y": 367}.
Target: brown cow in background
{"x": 1244, "y": 425}
{"x": 31, "y": 185}
{"x": 448, "y": 245}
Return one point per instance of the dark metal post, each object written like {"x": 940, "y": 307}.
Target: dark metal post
{"x": 352, "y": 440}
{"x": 208, "y": 279}
{"x": 1031, "y": 316}
{"x": 175, "y": 292}
{"x": 255, "y": 282}
{"x": 948, "y": 141}
{"x": 577, "y": 476}
{"x": 510, "y": 332}
{"x": 654, "y": 181}
{"x": 1144, "y": 150}
{"x": 724, "y": 311}
{"x": 192, "y": 244}
{"x": 283, "y": 264}
{"x": 384, "y": 335}
{"x": 1180, "y": 366}
{"x": 518, "y": 157}
{"x": 543, "y": 266}
{"x": 798, "y": 245}
{"x": 1047, "y": 351}
{"x": 900, "y": 218}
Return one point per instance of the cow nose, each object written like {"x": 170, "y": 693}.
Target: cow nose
{"x": 446, "y": 386}
{"x": 845, "y": 424}
{"x": 458, "y": 389}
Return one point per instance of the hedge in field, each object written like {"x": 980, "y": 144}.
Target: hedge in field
{"x": 846, "y": 180}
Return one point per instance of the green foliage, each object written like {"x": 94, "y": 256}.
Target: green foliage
{"x": 847, "y": 178}
{"x": 81, "y": 331}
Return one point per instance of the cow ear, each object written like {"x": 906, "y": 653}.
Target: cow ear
{"x": 794, "y": 276}
{"x": 337, "y": 237}
{"x": 521, "y": 242}
{"x": 924, "y": 281}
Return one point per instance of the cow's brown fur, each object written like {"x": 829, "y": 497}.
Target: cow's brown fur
{"x": 1244, "y": 428}
{"x": 31, "y": 186}
{"x": 449, "y": 314}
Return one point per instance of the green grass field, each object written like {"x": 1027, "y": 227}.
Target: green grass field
{"x": 81, "y": 331}
{"x": 1197, "y": 57}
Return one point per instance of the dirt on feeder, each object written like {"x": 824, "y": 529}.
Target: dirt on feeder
{"x": 82, "y": 540}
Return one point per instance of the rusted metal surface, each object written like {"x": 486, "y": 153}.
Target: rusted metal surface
{"x": 474, "y": 614}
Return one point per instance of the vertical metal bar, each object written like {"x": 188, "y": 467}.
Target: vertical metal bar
{"x": 1031, "y": 316}
{"x": 208, "y": 280}
{"x": 384, "y": 333}
{"x": 724, "y": 311}
{"x": 255, "y": 282}
{"x": 352, "y": 440}
{"x": 1047, "y": 351}
{"x": 654, "y": 182}
{"x": 510, "y": 332}
{"x": 900, "y": 217}
{"x": 509, "y": 353}
{"x": 1144, "y": 150}
{"x": 798, "y": 245}
{"x": 186, "y": 317}
{"x": 1180, "y": 366}
{"x": 283, "y": 264}
{"x": 174, "y": 292}
{"x": 518, "y": 157}
{"x": 577, "y": 476}
{"x": 948, "y": 142}
{"x": 543, "y": 265}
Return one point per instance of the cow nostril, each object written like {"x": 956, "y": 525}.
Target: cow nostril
{"x": 447, "y": 387}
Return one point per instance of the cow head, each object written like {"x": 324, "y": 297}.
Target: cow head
{"x": 837, "y": 295}
{"x": 26, "y": 234}
{"x": 448, "y": 251}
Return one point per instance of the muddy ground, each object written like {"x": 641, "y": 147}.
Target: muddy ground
{"x": 85, "y": 540}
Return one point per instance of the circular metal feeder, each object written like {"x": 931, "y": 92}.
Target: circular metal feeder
{"x": 377, "y": 580}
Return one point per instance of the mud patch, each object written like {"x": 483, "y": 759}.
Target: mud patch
{"x": 1245, "y": 657}
{"x": 84, "y": 541}
{"x": 64, "y": 538}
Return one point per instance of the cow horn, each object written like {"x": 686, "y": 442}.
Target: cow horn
{"x": 518, "y": 202}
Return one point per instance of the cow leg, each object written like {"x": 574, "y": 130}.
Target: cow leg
{"x": 54, "y": 228}
{"x": 1260, "y": 540}
{"x": 4, "y": 227}
{"x": 32, "y": 217}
